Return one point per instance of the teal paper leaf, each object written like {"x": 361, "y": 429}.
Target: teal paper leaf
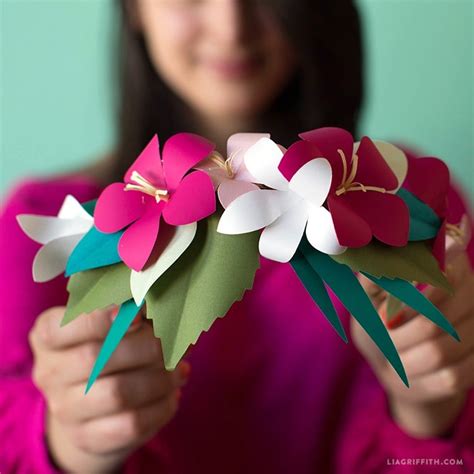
{"x": 345, "y": 285}
{"x": 94, "y": 250}
{"x": 315, "y": 287}
{"x": 121, "y": 323}
{"x": 424, "y": 222}
{"x": 89, "y": 206}
{"x": 411, "y": 296}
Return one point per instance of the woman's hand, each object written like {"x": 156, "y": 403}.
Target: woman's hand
{"x": 132, "y": 400}
{"x": 440, "y": 370}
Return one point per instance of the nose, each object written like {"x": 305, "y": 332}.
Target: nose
{"x": 229, "y": 21}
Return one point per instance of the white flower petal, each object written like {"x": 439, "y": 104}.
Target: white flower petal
{"x": 230, "y": 189}
{"x": 72, "y": 209}
{"x": 237, "y": 145}
{"x": 321, "y": 233}
{"x": 141, "y": 282}
{"x": 254, "y": 210}
{"x": 262, "y": 160}
{"x": 312, "y": 181}
{"x": 44, "y": 229}
{"x": 280, "y": 239}
{"x": 50, "y": 260}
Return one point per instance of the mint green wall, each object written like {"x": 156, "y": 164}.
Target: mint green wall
{"x": 56, "y": 71}
{"x": 56, "y": 110}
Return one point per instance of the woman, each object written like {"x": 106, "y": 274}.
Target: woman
{"x": 272, "y": 387}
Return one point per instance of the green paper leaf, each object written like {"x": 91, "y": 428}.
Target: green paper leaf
{"x": 315, "y": 287}
{"x": 414, "y": 262}
{"x": 96, "y": 289}
{"x": 411, "y": 296}
{"x": 94, "y": 250}
{"x": 424, "y": 222}
{"x": 347, "y": 288}
{"x": 125, "y": 316}
{"x": 200, "y": 287}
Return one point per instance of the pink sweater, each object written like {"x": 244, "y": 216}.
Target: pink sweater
{"x": 273, "y": 389}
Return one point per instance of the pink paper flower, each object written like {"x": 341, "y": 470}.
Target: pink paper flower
{"x": 230, "y": 175}
{"x": 361, "y": 199}
{"x": 156, "y": 188}
{"x": 434, "y": 193}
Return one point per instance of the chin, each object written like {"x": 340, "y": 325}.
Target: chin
{"x": 239, "y": 106}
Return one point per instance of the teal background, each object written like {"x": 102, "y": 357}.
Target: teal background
{"x": 56, "y": 71}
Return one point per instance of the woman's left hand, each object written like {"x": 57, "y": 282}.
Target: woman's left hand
{"x": 440, "y": 369}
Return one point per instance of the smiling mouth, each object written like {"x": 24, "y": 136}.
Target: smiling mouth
{"x": 234, "y": 68}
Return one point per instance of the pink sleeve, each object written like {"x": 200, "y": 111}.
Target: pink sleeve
{"x": 374, "y": 444}
{"x": 22, "y": 405}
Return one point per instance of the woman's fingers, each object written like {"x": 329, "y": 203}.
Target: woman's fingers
{"x": 445, "y": 382}
{"x": 73, "y": 365}
{"x": 126, "y": 429}
{"x": 433, "y": 354}
{"x": 416, "y": 328}
{"x": 114, "y": 393}
{"x": 48, "y": 333}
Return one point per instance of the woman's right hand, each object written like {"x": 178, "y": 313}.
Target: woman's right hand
{"x": 132, "y": 399}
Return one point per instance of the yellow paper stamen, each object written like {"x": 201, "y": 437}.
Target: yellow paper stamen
{"x": 455, "y": 232}
{"x": 348, "y": 183}
{"x": 144, "y": 186}
{"x": 226, "y": 165}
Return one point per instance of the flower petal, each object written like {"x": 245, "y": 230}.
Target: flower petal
{"x": 372, "y": 169}
{"x": 441, "y": 246}
{"x": 281, "y": 238}
{"x": 385, "y": 213}
{"x": 44, "y": 229}
{"x": 297, "y": 155}
{"x": 181, "y": 238}
{"x": 396, "y": 160}
{"x": 136, "y": 244}
{"x": 321, "y": 233}
{"x": 72, "y": 209}
{"x": 50, "y": 260}
{"x": 231, "y": 189}
{"x": 329, "y": 140}
{"x": 254, "y": 210}
{"x": 351, "y": 229}
{"x": 193, "y": 200}
{"x": 312, "y": 181}
{"x": 116, "y": 208}
{"x": 237, "y": 145}
{"x": 428, "y": 179}
{"x": 262, "y": 160}
{"x": 149, "y": 165}
{"x": 180, "y": 153}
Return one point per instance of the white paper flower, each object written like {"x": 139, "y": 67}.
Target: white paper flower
{"x": 230, "y": 176}
{"x": 175, "y": 241}
{"x": 285, "y": 210}
{"x": 59, "y": 235}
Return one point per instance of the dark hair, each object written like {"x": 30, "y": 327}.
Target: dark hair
{"x": 326, "y": 90}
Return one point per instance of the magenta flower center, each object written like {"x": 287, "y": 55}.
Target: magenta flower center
{"x": 141, "y": 184}
{"x": 348, "y": 183}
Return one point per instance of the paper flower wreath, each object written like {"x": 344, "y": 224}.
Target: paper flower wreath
{"x": 328, "y": 206}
